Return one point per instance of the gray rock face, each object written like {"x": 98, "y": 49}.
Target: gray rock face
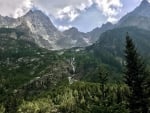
{"x": 8, "y": 22}
{"x": 75, "y": 38}
{"x": 44, "y": 33}
{"x": 38, "y": 26}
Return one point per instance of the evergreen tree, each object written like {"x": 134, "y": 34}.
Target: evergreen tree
{"x": 103, "y": 79}
{"x": 135, "y": 78}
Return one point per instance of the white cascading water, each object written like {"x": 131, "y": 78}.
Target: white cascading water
{"x": 72, "y": 63}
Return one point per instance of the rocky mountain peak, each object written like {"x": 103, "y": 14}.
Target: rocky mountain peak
{"x": 107, "y": 26}
{"x": 145, "y": 2}
{"x": 39, "y": 20}
{"x": 140, "y": 17}
{"x": 8, "y": 22}
{"x": 143, "y": 8}
{"x": 36, "y": 13}
{"x": 73, "y": 29}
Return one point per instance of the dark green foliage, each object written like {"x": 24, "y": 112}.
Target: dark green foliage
{"x": 113, "y": 41}
{"x": 82, "y": 97}
{"x": 109, "y": 47}
{"x": 12, "y": 102}
{"x": 87, "y": 63}
{"x": 135, "y": 78}
{"x": 23, "y": 62}
{"x": 103, "y": 80}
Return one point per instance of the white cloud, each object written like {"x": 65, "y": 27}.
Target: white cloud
{"x": 63, "y": 28}
{"x": 14, "y": 8}
{"x": 71, "y": 9}
{"x": 110, "y": 8}
{"x": 68, "y": 12}
{"x": 112, "y": 20}
{"x": 66, "y": 9}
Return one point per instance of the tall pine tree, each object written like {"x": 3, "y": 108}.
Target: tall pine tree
{"x": 135, "y": 78}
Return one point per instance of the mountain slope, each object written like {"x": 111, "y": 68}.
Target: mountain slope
{"x": 113, "y": 41}
{"x": 140, "y": 17}
{"x": 74, "y": 38}
{"x": 41, "y": 26}
{"x": 95, "y": 33}
{"x": 8, "y": 22}
{"x": 44, "y": 33}
{"x": 24, "y": 64}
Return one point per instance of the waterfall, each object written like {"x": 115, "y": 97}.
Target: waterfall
{"x": 72, "y": 62}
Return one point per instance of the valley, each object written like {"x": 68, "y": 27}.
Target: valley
{"x": 44, "y": 70}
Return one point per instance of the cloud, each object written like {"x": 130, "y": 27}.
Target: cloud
{"x": 110, "y": 8}
{"x": 63, "y": 28}
{"x": 14, "y": 8}
{"x": 68, "y": 12}
{"x": 112, "y": 20}
{"x": 71, "y": 9}
{"x": 63, "y": 10}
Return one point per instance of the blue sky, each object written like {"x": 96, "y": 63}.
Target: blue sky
{"x": 83, "y": 14}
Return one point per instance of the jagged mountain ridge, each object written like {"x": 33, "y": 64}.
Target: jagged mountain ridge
{"x": 25, "y": 63}
{"x": 95, "y": 33}
{"x": 44, "y": 33}
{"x": 136, "y": 23}
{"x": 41, "y": 30}
{"x": 41, "y": 26}
{"x": 139, "y": 17}
{"x": 75, "y": 37}
{"x": 113, "y": 40}
{"x": 109, "y": 49}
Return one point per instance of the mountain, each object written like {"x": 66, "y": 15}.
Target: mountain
{"x": 38, "y": 26}
{"x": 113, "y": 41}
{"x": 36, "y": 80}
{"x": 44, "y": 33}
{"x": 109, "y": 48}
{"x": 75, "y": 38}
{"x": 24, "y": 64}
{"x": 136, "y": 23}
{"x": 95, "y": 33}
{"x": 140, "y": 17}
{"x": 41, "y": 30}
{"x": 8, "y": 22}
